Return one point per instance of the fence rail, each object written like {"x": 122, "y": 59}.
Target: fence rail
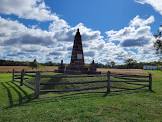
{"x": 143, "y": 81}
{"x": 75, "y": 89}
{"x": 72, "y": 76}
{"x": 129, "y": 75}
{"x": 70, "y": 83}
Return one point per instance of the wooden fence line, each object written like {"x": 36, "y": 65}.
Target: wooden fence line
{"x": 70, "y": 90}
{"x": 129, "y": 75}
{"x": 29, "y": 85}
{"x": 30, "y": 75}
{"x": 72, "y": 76}
{"x": 132, "y": 83}
{"x": 13, "y": 75}
{"x": 128, "y": 88}
{"x": 21, "y": 77}
{"x": 37, "y": 84}
{"x": 70, "y": 83}
{"x": 108, "y": 82}
{"x": 129, "y": 79}
{"x": 150, "y": 82}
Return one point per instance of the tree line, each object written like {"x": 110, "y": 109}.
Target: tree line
{"x": 128, "y": 64}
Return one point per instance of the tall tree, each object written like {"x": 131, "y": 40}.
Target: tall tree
{"x": 158, "y": 42}
{"x": 112, "y": 64}
{"x": 130, "y": 62}
{"x": 34, "y": 64}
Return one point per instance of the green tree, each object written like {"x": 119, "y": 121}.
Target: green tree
{"x": 130, "y": 63}
{"x": 158, "y": 42}
{"x": 108, "y": 64}
{"x": 112, "y": 64}
{"x": 34, "y": 64}
{"x": 49, "y": 63}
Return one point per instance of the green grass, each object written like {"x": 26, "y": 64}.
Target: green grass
{"x": 17, "y": 104}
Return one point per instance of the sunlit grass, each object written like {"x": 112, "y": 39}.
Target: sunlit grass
{"x": 16, "y": 104}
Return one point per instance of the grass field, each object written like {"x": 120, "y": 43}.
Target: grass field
{"x": 8, "y": 69}
{"x": 18, "y": 105}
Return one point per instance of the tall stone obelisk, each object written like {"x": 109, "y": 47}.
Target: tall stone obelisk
{"x": 77, "y": 60}
{"x": 77, "y": 57}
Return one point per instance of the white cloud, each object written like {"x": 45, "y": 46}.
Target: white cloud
{"x": 28, "y": 9}
{"x": 136, "y": 39}
{"x": 19, "y": 42}
{"x": 156, "y": 4}
{"x": 13, "y": 32}
{"x": 136, "y": 34}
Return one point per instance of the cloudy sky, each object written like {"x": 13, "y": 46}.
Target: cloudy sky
{"x": 112, "y": 30}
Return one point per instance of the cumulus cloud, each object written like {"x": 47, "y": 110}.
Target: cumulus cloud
{"x": 19, "y": 42}
{"x": 136, "y": 39}
{"x": 28, "y": 9}
{"x": 136, "y": 34}
{"x": 16, "y": 33}
{"x": 156, "y": 4}
{"x": 134, "y": 42}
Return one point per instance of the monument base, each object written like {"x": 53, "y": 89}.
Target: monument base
{"x": 77, "y": 69}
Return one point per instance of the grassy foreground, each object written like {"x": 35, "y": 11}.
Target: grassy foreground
{"x": 17, "y": 105}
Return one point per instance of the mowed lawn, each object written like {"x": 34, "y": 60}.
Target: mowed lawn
{"x": 8, "y": 69}
{"x": 18, "y": 105}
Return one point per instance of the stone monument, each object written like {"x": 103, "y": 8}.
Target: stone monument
{"x": 77, "y": 64}
{"x": 77, "y": 57}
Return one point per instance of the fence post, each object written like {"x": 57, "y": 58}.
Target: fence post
{"x": 150, "y": 82}
{"x": 37, "y": 84}
{"x": 13, "y": 74}
{"x": 108, "y": 82}
{"x": 22, "y": 77}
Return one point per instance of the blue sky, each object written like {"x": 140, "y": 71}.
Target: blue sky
{"x": 102, "y": 15}
{"x": 99, "y": 15}
{"x": 111, "y": 29}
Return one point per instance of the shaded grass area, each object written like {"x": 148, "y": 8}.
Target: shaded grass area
{"x": 17, "y": 104}
{"x": 71, "y": 79}
{"x": 74, "y": 82}
{"x": 11, "y": 93}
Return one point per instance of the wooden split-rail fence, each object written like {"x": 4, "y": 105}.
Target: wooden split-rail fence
{"x": 144, "y": 81}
